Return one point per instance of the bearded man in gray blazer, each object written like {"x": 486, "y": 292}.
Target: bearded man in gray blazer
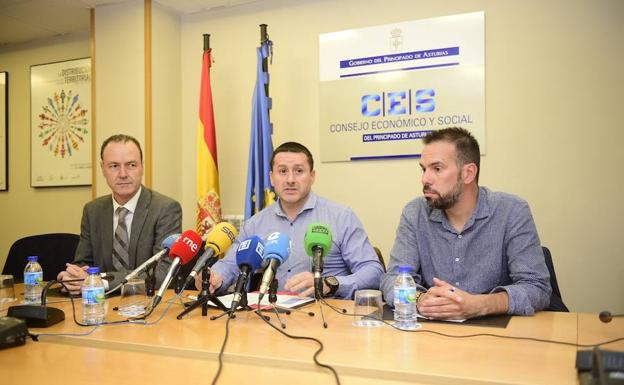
{"x": 145, "y": 216}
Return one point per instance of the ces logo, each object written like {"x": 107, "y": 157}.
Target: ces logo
{"x": 398, "y": 102}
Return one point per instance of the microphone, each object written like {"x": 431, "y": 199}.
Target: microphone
{"x": 218, "y": 241}
{"x": 248, "y": 259}
{"x": 606, "y": 316}
{"x": 182, "y": 252}
{"x": 317, "y": 242}
{"x": 276, "y": 252}
{"x": 166, "y": 245}
{"x": 42, "y": 316}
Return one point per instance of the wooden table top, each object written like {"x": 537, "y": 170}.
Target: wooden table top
{"x": 172, "y": 350}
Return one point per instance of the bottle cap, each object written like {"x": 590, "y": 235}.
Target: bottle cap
{"x": 93, "y": 270}
{"x": 405, "y": 269}
{"x": 33, "y": 258}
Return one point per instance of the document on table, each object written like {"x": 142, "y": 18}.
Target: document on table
{"x": 284, "y": 300}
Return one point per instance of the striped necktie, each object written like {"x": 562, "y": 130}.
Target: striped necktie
{"x": 121, "y": 260}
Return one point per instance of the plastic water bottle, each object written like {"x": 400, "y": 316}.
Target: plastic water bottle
{"x": 405, "y": 300}
{"x": 33, "y": 276}
{"x": 93, "y": 300}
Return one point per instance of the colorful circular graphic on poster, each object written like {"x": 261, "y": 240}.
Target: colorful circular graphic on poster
{"x": 63, "y": 124}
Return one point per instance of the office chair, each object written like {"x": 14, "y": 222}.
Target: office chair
{"x": 381, "y": 259}
{"x": 556, "y": 302}
{"x": 53, "y": 250}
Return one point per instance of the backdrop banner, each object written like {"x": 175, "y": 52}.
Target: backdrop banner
{"x": 383, "y": 88}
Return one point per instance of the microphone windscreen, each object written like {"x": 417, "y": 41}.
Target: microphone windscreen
{"x": 319, "y": 235}
{"x": 605, "y": 316}
{"x": 277, "y": 246}
{"x": 167, "y": 242}
{"x": 221, "y": 237}
{"x": 250, "y": 252}
{"x": 186, "y": 246}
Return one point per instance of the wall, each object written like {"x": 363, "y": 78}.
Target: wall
{"x": 120, "y": 75}
{"x": 25, "y": 210}
{"x": 166, "y": 119}
{"x": 553, "y": 91}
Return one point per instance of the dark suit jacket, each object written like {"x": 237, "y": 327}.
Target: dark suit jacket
{"x": 156, "y": 217}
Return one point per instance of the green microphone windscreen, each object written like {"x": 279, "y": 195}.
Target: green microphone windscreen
{"x": 318, "y": 235}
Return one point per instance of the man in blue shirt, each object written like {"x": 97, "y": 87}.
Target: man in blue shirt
{"x": 351, "y": 263}
{"x": 473, "y": 251}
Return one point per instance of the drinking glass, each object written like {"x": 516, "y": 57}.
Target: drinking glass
{"x": 133, "y": 298}
{"x": 7, "y": 290}
{"x": 368, "y": 309}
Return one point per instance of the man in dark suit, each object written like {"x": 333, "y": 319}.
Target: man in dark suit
{"x": 122, "y": 230}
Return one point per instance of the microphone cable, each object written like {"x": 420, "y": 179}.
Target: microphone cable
{"x": 220, "y": 357}
{"x": 319, "y": 342}
{"x": 477, "y": 334}
{"x": 71, "y": 298}
{"x": 334, "y": 308}
{"x": 143, "y": 318}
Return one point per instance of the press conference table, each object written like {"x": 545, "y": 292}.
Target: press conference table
{"x": 186, "y": 351}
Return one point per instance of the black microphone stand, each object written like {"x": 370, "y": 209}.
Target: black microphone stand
{"x": 150, "y": 281}
{"x": 318, "y": 297}
{"x": 204, "y": 297}
{"x": 243, "y": 304}
{"x": 318, "y": 281}
{"x": 272, "y": 301}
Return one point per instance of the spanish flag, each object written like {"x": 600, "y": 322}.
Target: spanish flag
{"x": 208, "y": 200}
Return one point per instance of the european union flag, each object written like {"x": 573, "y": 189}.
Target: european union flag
{"x": 259, "y": 192}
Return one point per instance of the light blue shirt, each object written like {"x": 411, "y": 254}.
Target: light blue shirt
{"x": 351, "y": 259}
{"x": 498, "y": 250}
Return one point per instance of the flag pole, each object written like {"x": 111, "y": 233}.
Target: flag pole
{"x": 264, "y": 36}
{"x": 206, "y": 42}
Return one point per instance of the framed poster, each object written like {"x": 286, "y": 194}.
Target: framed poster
{"x": 4, "y": 131}
{"x": 60, "y": 125}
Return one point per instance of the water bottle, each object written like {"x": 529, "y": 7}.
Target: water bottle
{"x": 93, "y": 300}
{"x": 405, "y": 300}
{"x": 33, "y": 276}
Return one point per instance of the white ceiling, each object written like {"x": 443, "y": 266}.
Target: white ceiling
{"x": 23, "y": 21}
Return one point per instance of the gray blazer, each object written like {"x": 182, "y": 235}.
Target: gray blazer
{"x": 156, "y": 217}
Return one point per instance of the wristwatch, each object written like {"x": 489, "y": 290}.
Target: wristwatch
{"x": 332, "y": 283}
{"x": 418, "y": 295}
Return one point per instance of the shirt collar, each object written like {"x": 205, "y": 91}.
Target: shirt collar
{"x": 131, "y": 204}
{"x": 310, "y": 204}
{"x": 483, "y": 210}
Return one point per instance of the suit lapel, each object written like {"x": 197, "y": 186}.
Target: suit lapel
{"x": 106, "y": 226}
{"x": 138, "y": 220}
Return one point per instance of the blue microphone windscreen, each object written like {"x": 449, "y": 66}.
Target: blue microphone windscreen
{"x": 277, "y": 246}
{"x": 250, "y": 252}
{"x": 167, "y": 242}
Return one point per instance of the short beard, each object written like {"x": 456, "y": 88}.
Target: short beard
{"x": 445, "y": 202}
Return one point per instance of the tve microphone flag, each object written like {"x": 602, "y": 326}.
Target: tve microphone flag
{"x": 183, "y": 250}
{"x": 208, "y": 197}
